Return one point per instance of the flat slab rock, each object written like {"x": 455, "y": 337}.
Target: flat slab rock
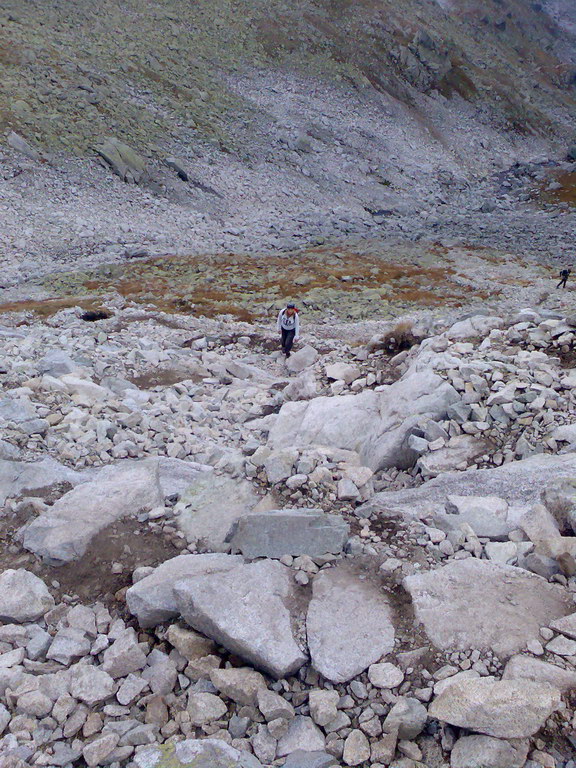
{"x": 301, "y": 759}
{"x": 472, "y": 604}
{"x": 522, "y": 667}
{"x": 290, "y": 532}
{"x": 520, "y": 483}
{"x": 152, "y": 599}
{"x": 246, "y": 609}
{"x": 176, "y": 475}
{"x": 486, "y": 515}
{"x": 479, "y": 751}
{"x": 199, "y": 753}
{"x": 505, "y": 709}
{"x": 19, "y": 477}
{"x": 349, "y": 625}
{"x": 64, "y": 532}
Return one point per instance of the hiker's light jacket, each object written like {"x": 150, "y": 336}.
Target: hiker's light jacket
{"x": 288, "y": 322}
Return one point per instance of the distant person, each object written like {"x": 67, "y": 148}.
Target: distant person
{"x": 564, "y": 275}
{"x": 289, "y": 326}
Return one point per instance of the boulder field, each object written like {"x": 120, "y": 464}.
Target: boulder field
{"x": 356, "y": 559}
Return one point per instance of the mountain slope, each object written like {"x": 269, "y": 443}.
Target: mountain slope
{"x": 294, "y": 124}
{"x": 150, "y": 71}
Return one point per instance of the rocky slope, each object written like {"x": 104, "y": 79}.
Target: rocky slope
{"x": 280, "y": 126}
{"x": 357, "y": 557}
{"x": 364, "y": 555}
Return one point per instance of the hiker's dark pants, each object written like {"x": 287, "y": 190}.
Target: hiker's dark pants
{"x": 562, "y": 282}
{"x": 287, "y": 340}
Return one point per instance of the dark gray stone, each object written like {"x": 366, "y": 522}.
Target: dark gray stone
{"x": 300, "y": 759}
{"x": 289, "y": 532}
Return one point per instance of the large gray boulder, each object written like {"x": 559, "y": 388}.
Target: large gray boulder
{"x": 122, "y": 159}
{"x": 505, "y": 709}
{"x": 349, "y": 625}
{"x": 477, "y": 604}
{"x": 245, "y": 610}
{"x": 199, "y": 753}
{"x": 23, "y": 596}
{"x": 519, "y": 483}
{"x": 290, "y": 532}
{"x": 19, "y": 477}
{"x": 63, "y": 533}
{"x": 486, "y": 515}
{"x": 210, "y": 506}
{"x": 479, "y": 751}
{"x": 152, "y": 599}
{"x": 374, "y": 424}
{"x": 522, "y": 667}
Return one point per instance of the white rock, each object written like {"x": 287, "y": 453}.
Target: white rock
{"x": 505, "y": 709}
{"x": 562, "y": 646}
{"x": 241, "y": 684}
{"x": 23, "y": 596}
{"x": 385, "y": 675}
{"x": 64, "y": 532}
{"x": 99, "y": 749}
{"x": 302, "y": 359}
{"x": 356, "y": 748}
{"x": 478, "y": 751}
{"x": 565, "y": 625}
{"x": 522, "y": 667}
{"x": 124, "y": 655}
{"x": 375, "y": 425}
{"x": 205, "y": 707}
{"x": 408, "y": 717}
{"x": 274, "y": 706}
{"x": 342, "y": 372}
{"x": 211, "y": 505}
{"x": 323, "y": 706}
{"x": 90, "y": 685}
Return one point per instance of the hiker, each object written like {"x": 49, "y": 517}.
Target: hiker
{"x": 289, "y": 326}
{"x": 564, "y": 275}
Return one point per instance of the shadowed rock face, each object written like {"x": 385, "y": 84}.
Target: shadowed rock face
{"x": 377, "y": 426}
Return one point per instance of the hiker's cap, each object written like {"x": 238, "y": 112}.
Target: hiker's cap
{"x": 291, "y": 305}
